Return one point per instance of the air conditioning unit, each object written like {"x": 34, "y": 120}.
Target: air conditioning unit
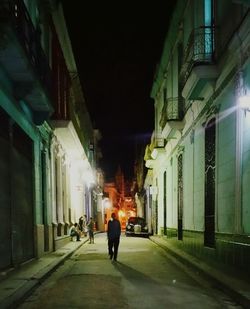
{"x": 153, "y": 190}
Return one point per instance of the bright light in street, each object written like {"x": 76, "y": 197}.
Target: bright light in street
{"x": 106, "y": 203}
{"x": 244, "y": 102}
{"x": 121, "y": 213}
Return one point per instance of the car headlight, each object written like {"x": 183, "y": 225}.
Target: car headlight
{"x": 145, "y": 227}
{"x": 128, "y": 227}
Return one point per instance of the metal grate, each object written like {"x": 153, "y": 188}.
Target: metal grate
{"x": 200, "y": 49}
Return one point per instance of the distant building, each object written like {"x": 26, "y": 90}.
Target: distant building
{"x": 119, "y": 198}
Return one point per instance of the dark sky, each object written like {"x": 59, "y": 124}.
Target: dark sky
{"x": 116, "y": 48}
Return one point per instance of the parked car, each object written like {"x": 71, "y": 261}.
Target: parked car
{"x": 136, "y": 226}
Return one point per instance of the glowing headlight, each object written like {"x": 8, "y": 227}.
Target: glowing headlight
{"x": 128, "y": 227}
{"x": 145, "y": 227}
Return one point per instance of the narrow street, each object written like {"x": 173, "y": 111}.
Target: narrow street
{"x": 143, "y": 277}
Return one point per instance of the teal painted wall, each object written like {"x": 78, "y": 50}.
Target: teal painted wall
{"x": 199, "y": 178}
{"x": 246, "y": 161}
{"x": 226, "y": 155}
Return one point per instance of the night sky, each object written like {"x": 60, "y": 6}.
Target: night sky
{"x": 117, "y": 48}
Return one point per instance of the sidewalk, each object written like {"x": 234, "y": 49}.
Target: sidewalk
{"x": 231, "y": 281}
{"x": 16, "y": 285}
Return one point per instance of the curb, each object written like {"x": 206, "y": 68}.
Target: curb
{"x": 227, "y": 285}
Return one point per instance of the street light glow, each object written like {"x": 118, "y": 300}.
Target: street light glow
{"x": 244, "y": 102}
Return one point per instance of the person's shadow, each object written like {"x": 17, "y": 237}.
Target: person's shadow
{"x": 146, "y": 290}
{"x": 133, "y": 275}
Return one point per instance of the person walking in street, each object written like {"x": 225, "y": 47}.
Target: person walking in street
{"x": 114, "y": 233}
{"x": 91, "y": 230}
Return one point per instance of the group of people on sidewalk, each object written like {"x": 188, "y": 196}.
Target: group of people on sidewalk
{"x": 113, "y": 233}
{"x": 82, "y": 228}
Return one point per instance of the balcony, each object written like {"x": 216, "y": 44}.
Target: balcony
{"x": 149, "y": 162}
{"x": 198, "y": 67}
{"x": 23, "y": 59}
{"x": 158, "y": 147}
{"x": 155, "y": 149}
{"x": 172, "y": 117}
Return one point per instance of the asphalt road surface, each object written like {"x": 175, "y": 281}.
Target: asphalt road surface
{"x": 143, "y": 277}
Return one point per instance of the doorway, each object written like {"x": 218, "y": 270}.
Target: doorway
{"x": 180, "y": 197}
{"x": 210, "y": 136}
{"x": 165, "y": 203}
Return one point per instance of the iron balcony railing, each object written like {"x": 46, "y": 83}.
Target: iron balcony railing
{"x": 15, "y": 14}
{"x": 172, "y": 111}
{"x": 199, "y": 50}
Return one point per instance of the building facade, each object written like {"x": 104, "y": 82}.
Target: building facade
{"x": 199, "y": 153}
{"x": 47, "y": 164}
